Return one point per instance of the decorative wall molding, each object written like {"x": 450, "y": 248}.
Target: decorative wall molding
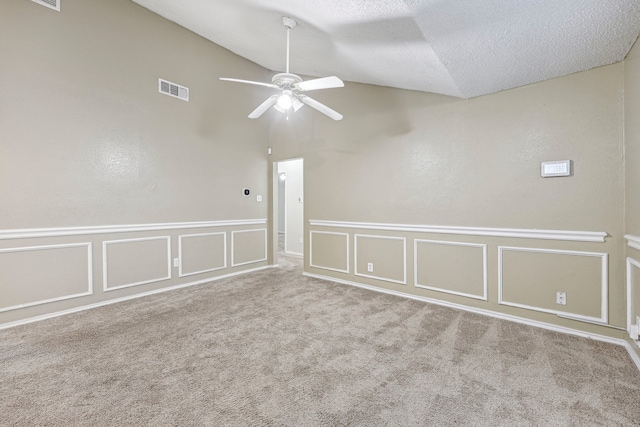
{"x": 633, "y": 241}
{"x": 233, "y": 233}
{"x": 127, "y": 298}
{"x": 311, "y": 264}
{"x": 485, "y": 281}
{"x": 633, "y": 325}
{"x": 576, "y": 236}
{"x": 106, "y": 243}
{"x": 180, "y": 257}
{"x": 371, "y": 276}
{"x": 89, "y": 291}
{"x": 494, "y": 314}
{"x": 604, "y": 280}
{"x": 28, "y": 233}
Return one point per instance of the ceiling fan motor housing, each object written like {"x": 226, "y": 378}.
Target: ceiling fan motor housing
{"x": 286, "y": 80}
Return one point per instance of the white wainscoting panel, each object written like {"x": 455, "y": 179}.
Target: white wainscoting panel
{"x": 325, "y": 267}
{"x": 200, "y": 236}
{"x": 633, "y": 268}
{"x": 132, "y": 264}
{"x": 483, "y": 279}
{"x": 490, "y": 313}
{"x": 129, "y": 297}
{"x": 373, "y": 276}
{"x": 604, "y": 278}
{"x": 24, "y": 275}
{"x": 263, "y": 247}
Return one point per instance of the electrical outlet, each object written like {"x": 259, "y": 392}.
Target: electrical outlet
{"x": 561, "y": 298}
{"x": 370, "y": 267}
{"x": 300, "y": 241}
{"x": 176, "y": 262}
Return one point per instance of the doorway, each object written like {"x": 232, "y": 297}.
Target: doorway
{"x": 290, "y": 206}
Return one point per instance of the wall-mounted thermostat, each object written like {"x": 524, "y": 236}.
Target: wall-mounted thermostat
{"x": 246, "y": 192}
{"x": 557, "y": 168}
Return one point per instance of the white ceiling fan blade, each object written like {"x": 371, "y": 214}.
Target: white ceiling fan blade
{"x": 321, "y": 107}
{"x": 297, "y": 104}
{"x": 264, "y": 107}
{"x": 322, "y": 83}
{"x": 249, "y": 82}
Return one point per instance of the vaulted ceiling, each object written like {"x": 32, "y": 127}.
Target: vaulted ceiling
{"x": 462, "y": 48}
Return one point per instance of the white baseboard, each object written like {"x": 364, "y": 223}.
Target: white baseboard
{"x": 551, "y": 327}
{"x": 294, "y": 254}
{"x": 632, "y": 351}
{"x": 127, "y": 298}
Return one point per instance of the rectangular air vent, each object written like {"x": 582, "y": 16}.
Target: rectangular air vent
{"x": 173, "y": 89}
{"x": 51, "y": 4}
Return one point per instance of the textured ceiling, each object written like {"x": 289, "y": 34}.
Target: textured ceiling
{"x": 462, "y": 48}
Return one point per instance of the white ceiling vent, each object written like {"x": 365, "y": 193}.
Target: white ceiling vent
{"x": 173, "y": 89}
{"x": 51, "y": 4}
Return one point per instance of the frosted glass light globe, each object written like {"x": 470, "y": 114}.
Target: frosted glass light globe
{"x": 284, "y": 101}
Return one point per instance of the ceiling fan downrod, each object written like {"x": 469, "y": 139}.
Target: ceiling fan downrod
{"x": 288, "y": 23}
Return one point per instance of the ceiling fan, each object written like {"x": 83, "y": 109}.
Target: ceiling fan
{"x": 290, "y": 86}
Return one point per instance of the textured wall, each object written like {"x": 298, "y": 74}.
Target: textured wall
{"x": 632, "y": 139}
{"x": 632, "y": 162}
{"x": 402, "y": 157}
{"x": 410, "y": 157}
{"x": 88, "y": 140}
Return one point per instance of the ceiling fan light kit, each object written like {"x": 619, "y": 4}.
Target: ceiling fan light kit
{"x": 290, "y": 99}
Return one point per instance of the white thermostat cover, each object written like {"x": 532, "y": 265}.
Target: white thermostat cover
{"x": 556, "y": 168}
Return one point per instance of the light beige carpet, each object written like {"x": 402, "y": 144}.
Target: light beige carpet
{"x": 274, "y": 348}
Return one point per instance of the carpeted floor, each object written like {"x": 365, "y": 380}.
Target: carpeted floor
{"x": 275, "y": 348}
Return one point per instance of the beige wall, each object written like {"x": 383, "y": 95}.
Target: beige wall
{"x": 402, "y": 158}
{"x": 410, "y": 157}
{"x": 632, "y": 171}
{"x": 86, "y": 140}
